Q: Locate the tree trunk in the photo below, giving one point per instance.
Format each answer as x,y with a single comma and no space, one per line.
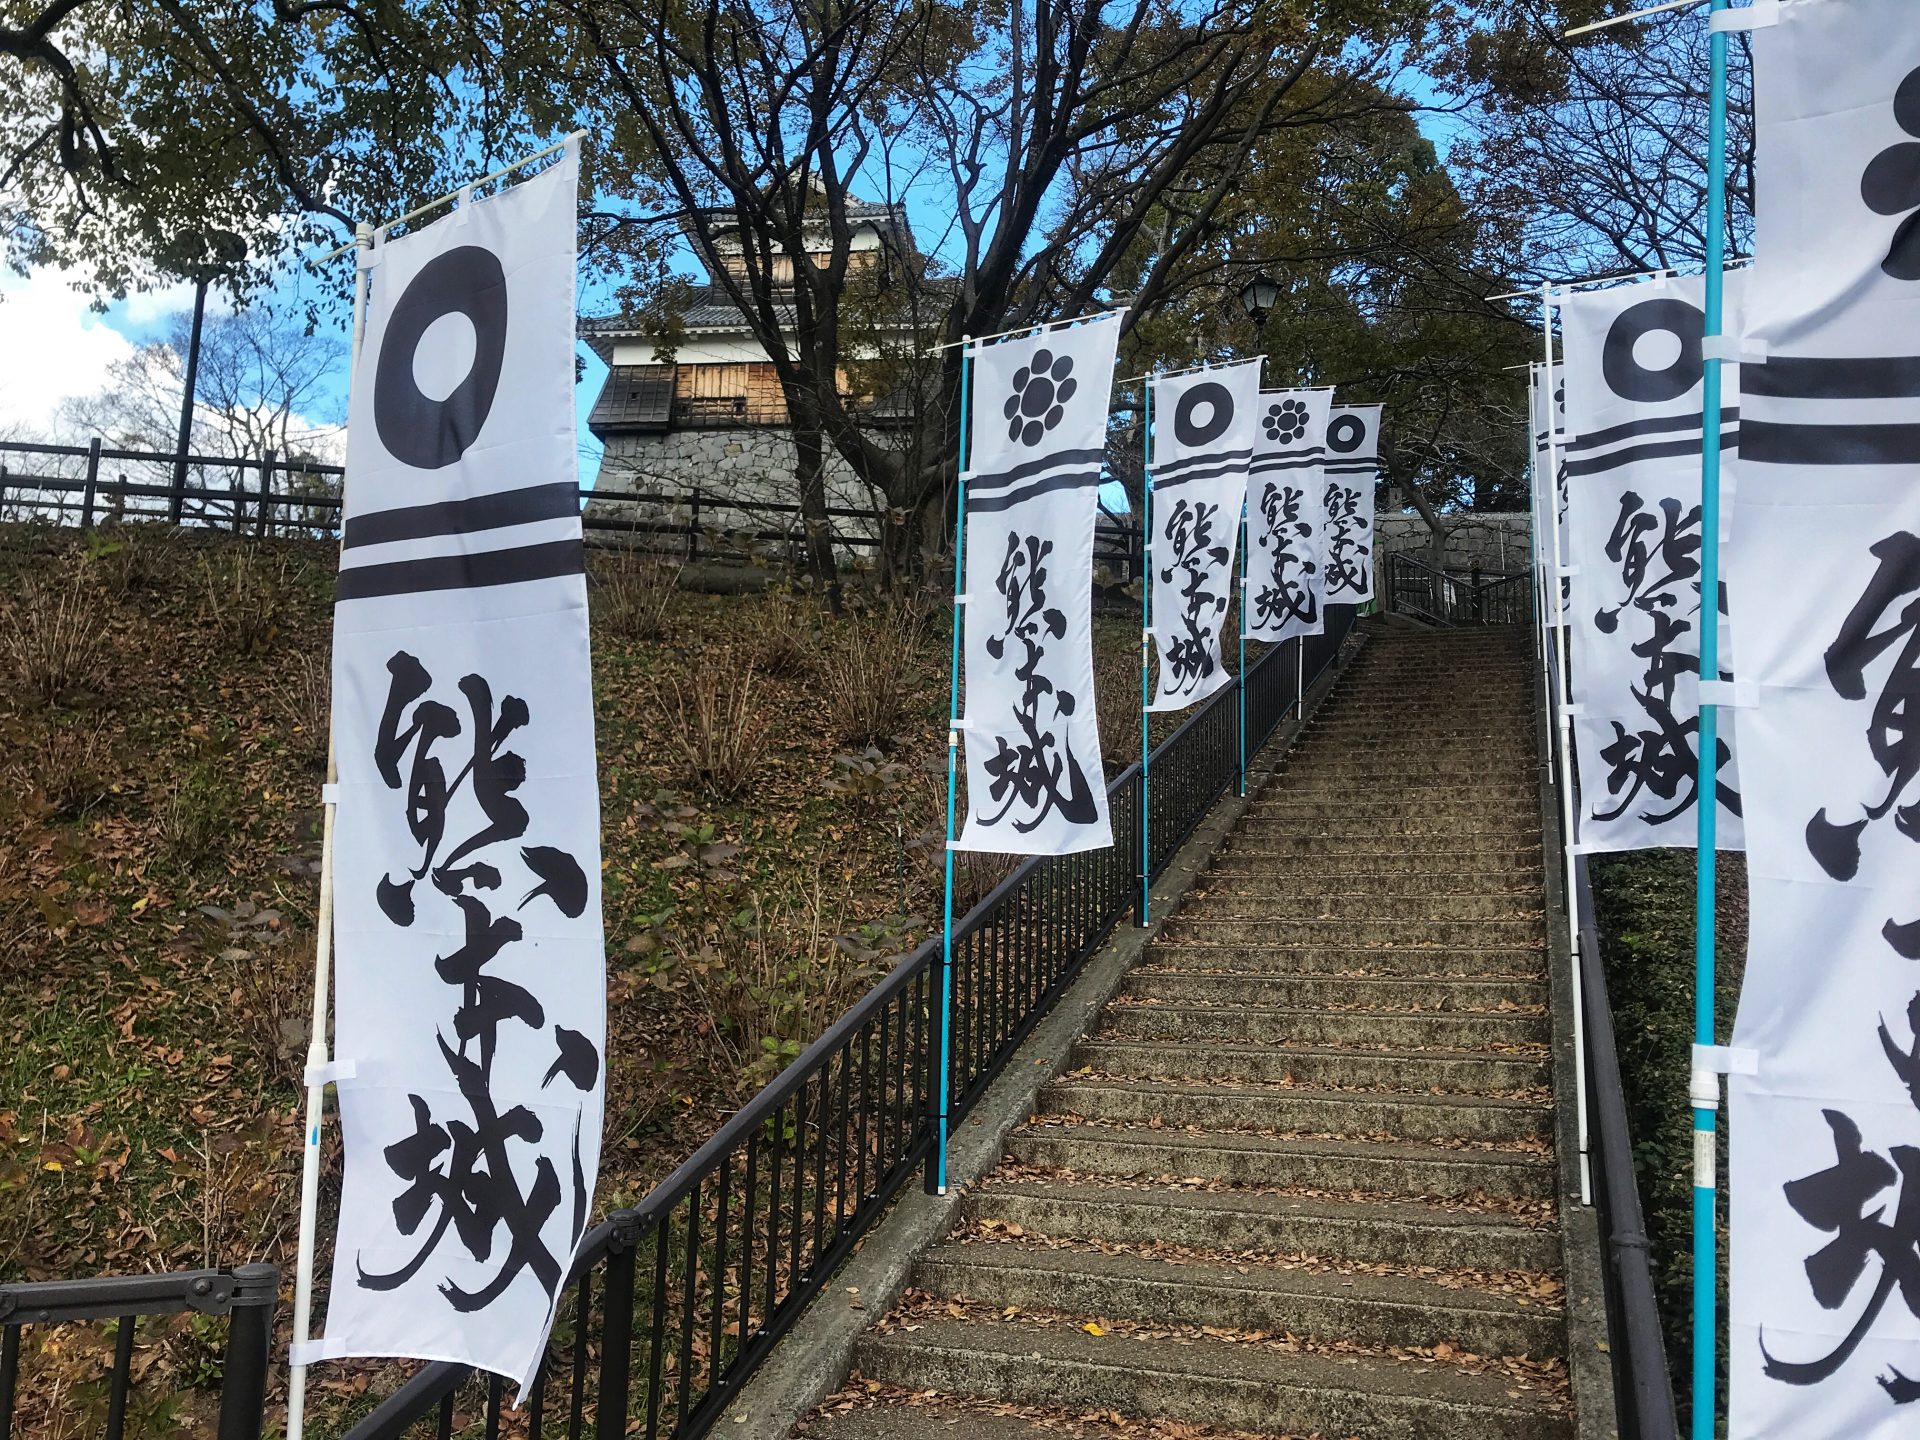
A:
809,448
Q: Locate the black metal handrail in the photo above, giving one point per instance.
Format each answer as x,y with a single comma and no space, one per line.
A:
245,1295
682,1296
1447,598
1643,1385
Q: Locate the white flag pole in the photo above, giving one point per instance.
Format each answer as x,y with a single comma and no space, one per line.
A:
953,751
1565,720
317,1052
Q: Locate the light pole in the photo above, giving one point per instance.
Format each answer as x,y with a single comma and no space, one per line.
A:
199,256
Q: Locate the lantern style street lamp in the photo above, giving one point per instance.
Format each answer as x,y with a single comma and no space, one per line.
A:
1259,296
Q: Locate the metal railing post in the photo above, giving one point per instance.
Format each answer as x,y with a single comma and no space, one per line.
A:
263,517
616,1342
93,481
243,1385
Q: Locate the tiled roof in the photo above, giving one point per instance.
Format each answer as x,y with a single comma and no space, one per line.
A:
635,397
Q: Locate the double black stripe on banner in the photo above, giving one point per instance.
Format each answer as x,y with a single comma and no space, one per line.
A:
1000,479
1230,467
1289,460
545,561
1730,440
1177,469
476,514
464,517
1007,499
1662,425
1359,467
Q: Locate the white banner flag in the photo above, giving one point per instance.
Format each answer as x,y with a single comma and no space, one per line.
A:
1825,590
1287,517
1353,465
1202,444
1038,432
1547,412
1633,384
471,1020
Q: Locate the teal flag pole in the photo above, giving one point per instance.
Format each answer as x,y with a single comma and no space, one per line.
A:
944,1058
1145,916
1242,678
1706,1085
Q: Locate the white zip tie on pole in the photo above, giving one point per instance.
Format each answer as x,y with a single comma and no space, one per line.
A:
1734,694
1732,349
1727,1059
1757,16
331,1073
330,793
1571,712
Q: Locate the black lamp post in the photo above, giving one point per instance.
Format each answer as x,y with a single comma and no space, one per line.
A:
199,256
1259,296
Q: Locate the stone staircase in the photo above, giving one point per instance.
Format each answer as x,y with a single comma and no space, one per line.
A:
1299,1179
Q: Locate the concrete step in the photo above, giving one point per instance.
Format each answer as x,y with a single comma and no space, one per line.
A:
1254,1388
1358,821
1223,1109
1451,1071
1310,990
1229,901
1261,1025
897,1416
1413,1168
1374,1309
1504,933
1461,962
1381,874
1292,843
1257,1222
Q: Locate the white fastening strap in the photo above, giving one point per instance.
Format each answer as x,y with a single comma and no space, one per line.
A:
329,794
309,1352
1570,712
1757,16
332,1072
963,723
1735,694
1727,1059
1585,847
1733,350
1567,572
961,599
966,475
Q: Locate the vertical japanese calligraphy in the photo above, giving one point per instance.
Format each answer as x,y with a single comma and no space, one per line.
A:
1633,388
1202,444
471,981
1352,468
1286,517
1824,587
1035,784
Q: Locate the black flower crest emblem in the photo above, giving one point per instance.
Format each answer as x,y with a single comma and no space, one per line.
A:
1286,422
1891,184
1041,389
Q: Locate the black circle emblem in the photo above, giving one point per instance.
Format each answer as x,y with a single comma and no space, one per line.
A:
1192,432
1891,184
1041,389
1627,377
432,434
1286,422
1346,434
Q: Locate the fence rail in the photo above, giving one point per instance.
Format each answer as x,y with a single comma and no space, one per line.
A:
1446,598
245,1295
674,1303
271,496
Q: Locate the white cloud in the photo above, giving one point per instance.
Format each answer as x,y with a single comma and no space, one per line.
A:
51,347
